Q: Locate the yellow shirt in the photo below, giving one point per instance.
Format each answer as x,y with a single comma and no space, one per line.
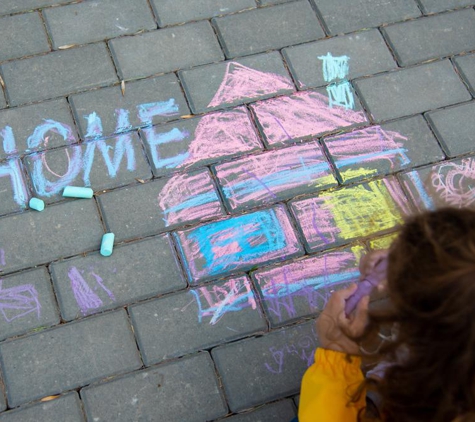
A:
327,387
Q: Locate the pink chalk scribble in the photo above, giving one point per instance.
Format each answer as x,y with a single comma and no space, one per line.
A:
267,177
241,82
222,134
302,115
303,287
189,197
368,145
454,182
18,301
215,301
86,298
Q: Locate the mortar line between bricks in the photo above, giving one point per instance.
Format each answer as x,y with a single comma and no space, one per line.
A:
221,44
320,19
116,65
217,187
132,329
460,74
220,380
259,300
178,258
255,126
33,9
287,68
420,6
390,47
49,36
76,126
55,295
183,91
152,11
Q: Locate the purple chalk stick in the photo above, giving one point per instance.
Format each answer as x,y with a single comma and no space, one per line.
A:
366,286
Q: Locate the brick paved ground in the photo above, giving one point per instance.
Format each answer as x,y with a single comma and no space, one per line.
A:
245,153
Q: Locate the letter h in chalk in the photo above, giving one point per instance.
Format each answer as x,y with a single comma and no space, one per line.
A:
335,70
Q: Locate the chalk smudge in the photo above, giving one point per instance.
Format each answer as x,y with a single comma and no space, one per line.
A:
18,301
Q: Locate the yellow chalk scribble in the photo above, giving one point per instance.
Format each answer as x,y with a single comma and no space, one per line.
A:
383,242
356,174
358,251
365,209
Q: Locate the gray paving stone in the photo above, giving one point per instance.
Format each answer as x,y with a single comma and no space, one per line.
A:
145,102
382,150
135,271
31,125
65,408
435,6
432,37
274,362
164,204
236,82
455,128
190,143
3,400
91,21
17,43
165,50
3,102
75,354
308,114
237,244
28,303
367,52
13,187
184,390
15,6
327,221
101,165
413,90
58,73
270,2
447,184
269,28
199,319
339,16
34,238
466,66
302,288
171,12
274,176
281,411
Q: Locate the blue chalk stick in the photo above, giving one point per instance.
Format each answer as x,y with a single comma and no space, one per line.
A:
107,244
36,204
76,192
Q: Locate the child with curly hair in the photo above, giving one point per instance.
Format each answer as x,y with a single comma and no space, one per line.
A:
426,355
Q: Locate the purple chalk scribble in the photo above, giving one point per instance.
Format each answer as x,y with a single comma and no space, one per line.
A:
303,348
86,298
18,301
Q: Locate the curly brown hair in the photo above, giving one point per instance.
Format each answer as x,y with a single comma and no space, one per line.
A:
431,289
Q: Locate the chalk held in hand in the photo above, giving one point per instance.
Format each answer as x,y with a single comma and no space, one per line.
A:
107,244
36,204
76,192
366,286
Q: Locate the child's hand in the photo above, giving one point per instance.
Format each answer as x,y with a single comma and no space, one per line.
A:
335,330
369,261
